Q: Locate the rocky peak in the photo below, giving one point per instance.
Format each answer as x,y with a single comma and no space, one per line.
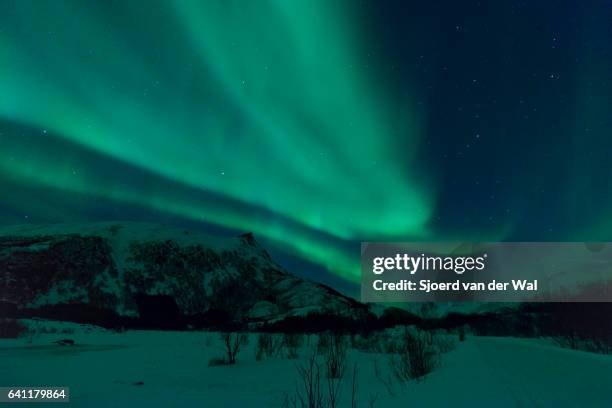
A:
148,272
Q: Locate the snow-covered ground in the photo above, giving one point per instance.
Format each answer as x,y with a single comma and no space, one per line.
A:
104,369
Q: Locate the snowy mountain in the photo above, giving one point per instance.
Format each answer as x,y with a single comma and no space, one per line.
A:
148,275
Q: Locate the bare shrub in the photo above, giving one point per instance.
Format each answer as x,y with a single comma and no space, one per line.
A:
598,346
594,345
575,342
291,344
400,367
232,343
354,387
335,357
370,343
275,345
444,343
415,358
333,392
387,381
462,334
323,341
391,345
267,346
312,391
568,340
308,392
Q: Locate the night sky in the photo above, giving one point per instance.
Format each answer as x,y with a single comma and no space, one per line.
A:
313,124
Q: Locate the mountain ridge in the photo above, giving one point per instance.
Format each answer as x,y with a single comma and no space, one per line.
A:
151,274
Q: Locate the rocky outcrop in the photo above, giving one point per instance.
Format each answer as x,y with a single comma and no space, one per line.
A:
146,275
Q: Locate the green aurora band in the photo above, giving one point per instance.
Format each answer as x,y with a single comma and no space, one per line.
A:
314,124
263,103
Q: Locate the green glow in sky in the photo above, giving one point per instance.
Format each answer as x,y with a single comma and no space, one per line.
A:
268,104
314,124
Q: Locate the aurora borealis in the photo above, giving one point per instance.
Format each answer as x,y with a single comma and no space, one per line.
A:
314,124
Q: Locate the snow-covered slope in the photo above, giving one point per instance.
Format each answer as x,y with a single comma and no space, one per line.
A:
131,269
169,369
